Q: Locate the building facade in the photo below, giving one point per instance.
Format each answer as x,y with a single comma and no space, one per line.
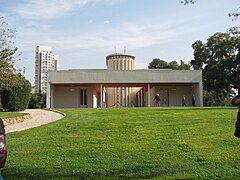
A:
120,96
120,85
45,61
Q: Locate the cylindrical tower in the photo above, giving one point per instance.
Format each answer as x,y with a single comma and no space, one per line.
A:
120,61
120,96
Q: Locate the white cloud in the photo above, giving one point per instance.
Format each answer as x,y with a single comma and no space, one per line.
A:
106,22
74,49
38,9
132,35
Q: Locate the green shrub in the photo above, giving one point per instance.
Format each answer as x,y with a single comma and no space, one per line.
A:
36,101
212,99
17,97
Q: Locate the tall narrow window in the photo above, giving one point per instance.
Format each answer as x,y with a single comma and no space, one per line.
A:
83,97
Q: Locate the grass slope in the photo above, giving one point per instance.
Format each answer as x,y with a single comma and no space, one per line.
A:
135,143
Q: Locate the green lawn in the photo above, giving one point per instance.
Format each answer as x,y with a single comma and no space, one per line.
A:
133,143
4,115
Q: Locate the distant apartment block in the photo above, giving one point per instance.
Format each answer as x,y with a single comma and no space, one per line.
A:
45,61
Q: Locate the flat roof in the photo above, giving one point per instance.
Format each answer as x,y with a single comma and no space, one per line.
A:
124,76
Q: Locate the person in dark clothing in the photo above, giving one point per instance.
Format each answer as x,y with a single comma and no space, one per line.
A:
236,102
184,101
157,100
193,100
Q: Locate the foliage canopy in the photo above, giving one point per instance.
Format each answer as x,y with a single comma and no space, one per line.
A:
7,55
161,64
219,58
16,97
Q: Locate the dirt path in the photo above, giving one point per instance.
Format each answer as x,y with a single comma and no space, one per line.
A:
39,117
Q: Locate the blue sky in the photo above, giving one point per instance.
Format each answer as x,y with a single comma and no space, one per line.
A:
84,32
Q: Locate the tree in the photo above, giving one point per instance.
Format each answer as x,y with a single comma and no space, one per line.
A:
158,64
7,55
219,58
209,99
17,97
6,68
173,65
183,66
234,14
199,55
161,64
37,101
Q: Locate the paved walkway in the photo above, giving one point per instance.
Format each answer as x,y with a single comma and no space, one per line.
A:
39,117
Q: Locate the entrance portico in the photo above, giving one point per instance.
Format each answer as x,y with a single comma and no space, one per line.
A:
89,88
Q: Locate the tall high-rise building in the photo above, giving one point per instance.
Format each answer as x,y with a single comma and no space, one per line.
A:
45,61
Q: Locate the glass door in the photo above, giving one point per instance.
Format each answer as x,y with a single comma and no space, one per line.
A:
83,98
164,97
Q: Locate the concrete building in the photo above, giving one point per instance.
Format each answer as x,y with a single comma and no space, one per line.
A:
113,87
45,61
120,96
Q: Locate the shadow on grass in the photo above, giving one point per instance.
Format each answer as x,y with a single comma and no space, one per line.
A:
205,108
129,173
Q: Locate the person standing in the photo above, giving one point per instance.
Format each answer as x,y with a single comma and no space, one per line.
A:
193,100
184,101
157,100
236,102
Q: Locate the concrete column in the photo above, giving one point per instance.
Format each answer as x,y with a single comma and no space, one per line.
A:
141,97
115,98
118,97
138,102
111,65
129,97
199,96
49,95
115,65
122,64
127,65
119,65
125,97
149,103
52,89
101,87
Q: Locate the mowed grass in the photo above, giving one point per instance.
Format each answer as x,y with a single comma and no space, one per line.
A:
4,115
128,143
